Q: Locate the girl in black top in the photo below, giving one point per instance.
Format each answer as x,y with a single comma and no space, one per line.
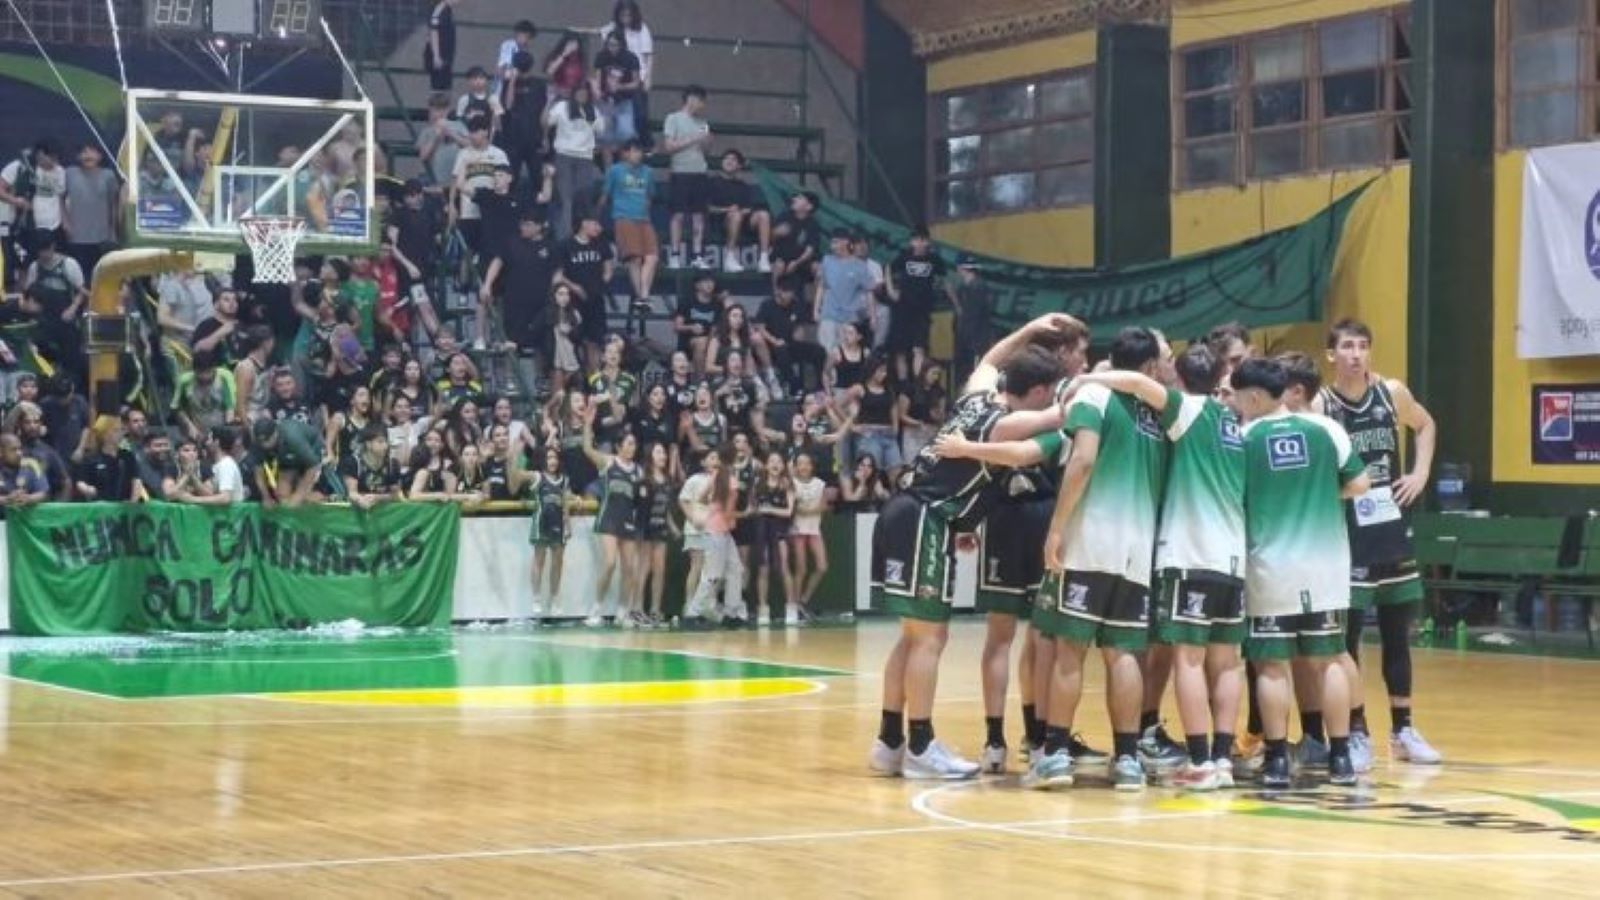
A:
345,427
414,386
847,364
921,411
703,428
565,418
504,467
877,428
731,334
654,423
472,482
616,523
461,426
865,489
745,469
681,385
658,495
433,474
774,507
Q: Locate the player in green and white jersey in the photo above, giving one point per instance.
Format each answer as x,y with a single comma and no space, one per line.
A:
1299,468
1200,557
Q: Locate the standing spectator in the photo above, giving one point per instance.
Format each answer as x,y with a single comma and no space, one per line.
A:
692,507
505,69
227,446
877,315
716,511
696,317
438,143
915,280
587,266
550,531
522,134
433,472
616,523
439,56
91,211
369,476
185,302
611,394
703,428
204,397
360,290
777,328
475,168
774,501
219,334
563,327
740,398
576,123
500,211
681,384
630,186
102,468
843,293
922,411
626,15
566,69
739,203
877,428
616,84
657,492
250,377
974,305
847,363
479,100
687,135
289,461
524,270
47,202
414,227
796,238
57,282
865,489
16,186
655,422
20,481
805,534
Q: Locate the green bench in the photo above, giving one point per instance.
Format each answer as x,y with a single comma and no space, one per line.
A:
1507,557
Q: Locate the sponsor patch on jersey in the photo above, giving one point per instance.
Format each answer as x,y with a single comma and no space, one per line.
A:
1287,451
1555,416
894,571
1231,438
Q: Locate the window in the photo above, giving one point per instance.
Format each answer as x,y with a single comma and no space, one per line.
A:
1549,71
1013,146
1327,95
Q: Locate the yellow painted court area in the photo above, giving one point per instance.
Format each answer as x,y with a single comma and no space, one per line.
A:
642,693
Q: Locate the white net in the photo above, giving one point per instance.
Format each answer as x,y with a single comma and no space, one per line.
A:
272,241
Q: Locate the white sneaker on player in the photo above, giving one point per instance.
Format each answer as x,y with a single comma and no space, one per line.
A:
886,760
593,620
730,262
994,759
1360,752
1410,746
1201,778
1224,769
937,763
1049,772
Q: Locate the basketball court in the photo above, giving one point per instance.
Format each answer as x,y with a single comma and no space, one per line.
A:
570,762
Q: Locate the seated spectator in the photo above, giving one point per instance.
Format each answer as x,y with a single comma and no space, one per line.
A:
741,398
617,82
102,467
369,475
796,237
412,385
288,463
190,482
461,426
734,334
681,384
220,333
629,187
154,467
686,136
227,445
204,398
843,292
697,316
703,428
21,483
460,382
739,203
342,434
507,476
611,394
26,421
777,329
405,430
286,403
66,415
431,472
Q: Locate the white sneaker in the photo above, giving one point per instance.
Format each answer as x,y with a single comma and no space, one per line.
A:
594,620
1200,779
994,760
937,763
791,614
675,259
479,346
764,264
1049,772
1224,773
626,620
702,262
1360,752
886,760
1410,746
731,264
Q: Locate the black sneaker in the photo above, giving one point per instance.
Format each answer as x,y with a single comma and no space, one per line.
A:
1275,773
1083,754
1341,772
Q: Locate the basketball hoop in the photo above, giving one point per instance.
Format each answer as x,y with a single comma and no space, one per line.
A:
272,241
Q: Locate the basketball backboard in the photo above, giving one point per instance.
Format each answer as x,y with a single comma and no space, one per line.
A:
200,162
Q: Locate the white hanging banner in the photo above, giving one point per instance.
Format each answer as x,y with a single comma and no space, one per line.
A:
1558,308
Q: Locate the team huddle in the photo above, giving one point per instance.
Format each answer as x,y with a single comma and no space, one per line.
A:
1205,520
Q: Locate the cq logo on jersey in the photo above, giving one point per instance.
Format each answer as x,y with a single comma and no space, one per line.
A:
1230,433
1287,451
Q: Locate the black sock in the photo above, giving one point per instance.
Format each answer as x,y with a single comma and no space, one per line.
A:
1198,746
921,735
1339,746
1056,739
1032,728
1358,719
1149,719
1221,745
1125,743
1277,749
892,729
996,726
1311,724
1400,716
1253,724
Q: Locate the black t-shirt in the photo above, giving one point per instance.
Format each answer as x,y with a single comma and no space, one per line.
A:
736,402
619,73
528,269
153,473
960,490
680,395
529,96
370,479
729,190
691,311
418,238
111,476
444,21
917,279
653,429
499,214
585,265
294,408
801,235
227,349
778,320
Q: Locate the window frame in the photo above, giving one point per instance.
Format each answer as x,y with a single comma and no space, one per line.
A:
1391,121
940,132
1587,84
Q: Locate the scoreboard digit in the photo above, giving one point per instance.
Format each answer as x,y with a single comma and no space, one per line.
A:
297,21
174,16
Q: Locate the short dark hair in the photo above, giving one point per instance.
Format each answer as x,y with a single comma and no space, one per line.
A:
1133,347
1228,331
632,144
921,231
157,434
1301,370
1266,374
227,437
526,27
205,359
1029,368
694,90
737,154
522,61
478,123
373,431
1348,328
477,72
264,430
1055,339
1199,369
440,100
48,148
254,337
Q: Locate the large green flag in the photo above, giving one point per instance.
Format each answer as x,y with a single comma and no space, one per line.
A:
1279,278
102,568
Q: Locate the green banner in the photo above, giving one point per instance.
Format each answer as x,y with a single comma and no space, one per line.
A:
1279,278
103,568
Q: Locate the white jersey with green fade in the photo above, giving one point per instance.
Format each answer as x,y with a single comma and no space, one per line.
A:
1113,528
1202,512
1299,552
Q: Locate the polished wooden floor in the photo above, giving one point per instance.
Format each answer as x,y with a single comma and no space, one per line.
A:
657,793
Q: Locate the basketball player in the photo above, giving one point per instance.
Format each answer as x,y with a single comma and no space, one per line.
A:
1298,468
1384,565
1010,568
913,543
1200,556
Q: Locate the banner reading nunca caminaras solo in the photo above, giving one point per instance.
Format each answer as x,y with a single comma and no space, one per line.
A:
1279,278
102,568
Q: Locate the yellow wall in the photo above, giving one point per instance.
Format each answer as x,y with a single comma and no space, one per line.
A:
1198,21
1514,378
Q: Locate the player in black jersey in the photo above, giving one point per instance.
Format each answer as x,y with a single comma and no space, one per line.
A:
913,541
616,523
658,493
1383,561
549,529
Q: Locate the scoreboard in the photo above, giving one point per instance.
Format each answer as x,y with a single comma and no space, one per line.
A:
286,21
